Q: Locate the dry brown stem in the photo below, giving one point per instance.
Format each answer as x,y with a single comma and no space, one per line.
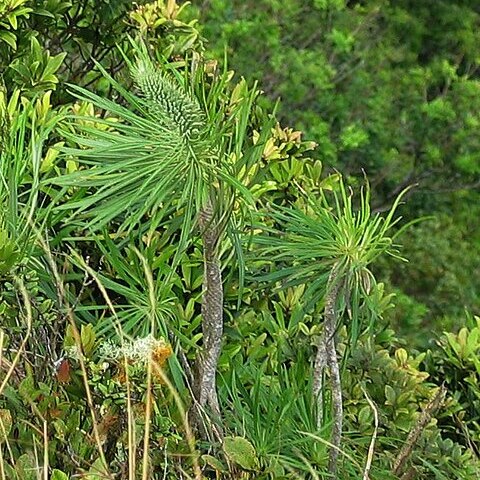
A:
417,430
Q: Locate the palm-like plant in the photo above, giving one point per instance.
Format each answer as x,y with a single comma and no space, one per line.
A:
174,151
329,247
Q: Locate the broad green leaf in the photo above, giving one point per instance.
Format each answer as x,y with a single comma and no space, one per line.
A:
26,467
98,471
401,356
365,416
9,38
58,475
87,335
390,395
214,463
241,452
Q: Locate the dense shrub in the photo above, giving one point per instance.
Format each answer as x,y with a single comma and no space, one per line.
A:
134,165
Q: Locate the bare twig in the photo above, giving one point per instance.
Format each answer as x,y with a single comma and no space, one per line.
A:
418,429
28,317
45,451
160,373
371,448
146,468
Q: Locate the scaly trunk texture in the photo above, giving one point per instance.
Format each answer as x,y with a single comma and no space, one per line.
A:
327,356
212,313
318,371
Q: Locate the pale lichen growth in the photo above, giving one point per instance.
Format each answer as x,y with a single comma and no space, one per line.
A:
74,352
139,350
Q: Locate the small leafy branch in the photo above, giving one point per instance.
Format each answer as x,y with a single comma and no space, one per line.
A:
11,11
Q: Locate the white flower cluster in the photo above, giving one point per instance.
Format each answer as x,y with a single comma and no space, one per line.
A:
140,349
74,353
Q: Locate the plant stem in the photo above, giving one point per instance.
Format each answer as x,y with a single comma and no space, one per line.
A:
428,412
327,356
212,312
318,369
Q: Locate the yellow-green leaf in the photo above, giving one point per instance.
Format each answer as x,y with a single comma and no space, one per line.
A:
241,452
5,424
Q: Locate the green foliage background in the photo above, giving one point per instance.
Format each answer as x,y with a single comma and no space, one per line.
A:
377,89
390,90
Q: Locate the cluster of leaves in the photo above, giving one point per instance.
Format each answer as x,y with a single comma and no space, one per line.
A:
39,38
455,363
66,400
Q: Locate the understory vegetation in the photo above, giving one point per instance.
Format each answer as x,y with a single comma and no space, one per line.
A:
199,280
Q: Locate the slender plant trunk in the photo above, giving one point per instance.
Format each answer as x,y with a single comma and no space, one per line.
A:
327,356
212,314
318,373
